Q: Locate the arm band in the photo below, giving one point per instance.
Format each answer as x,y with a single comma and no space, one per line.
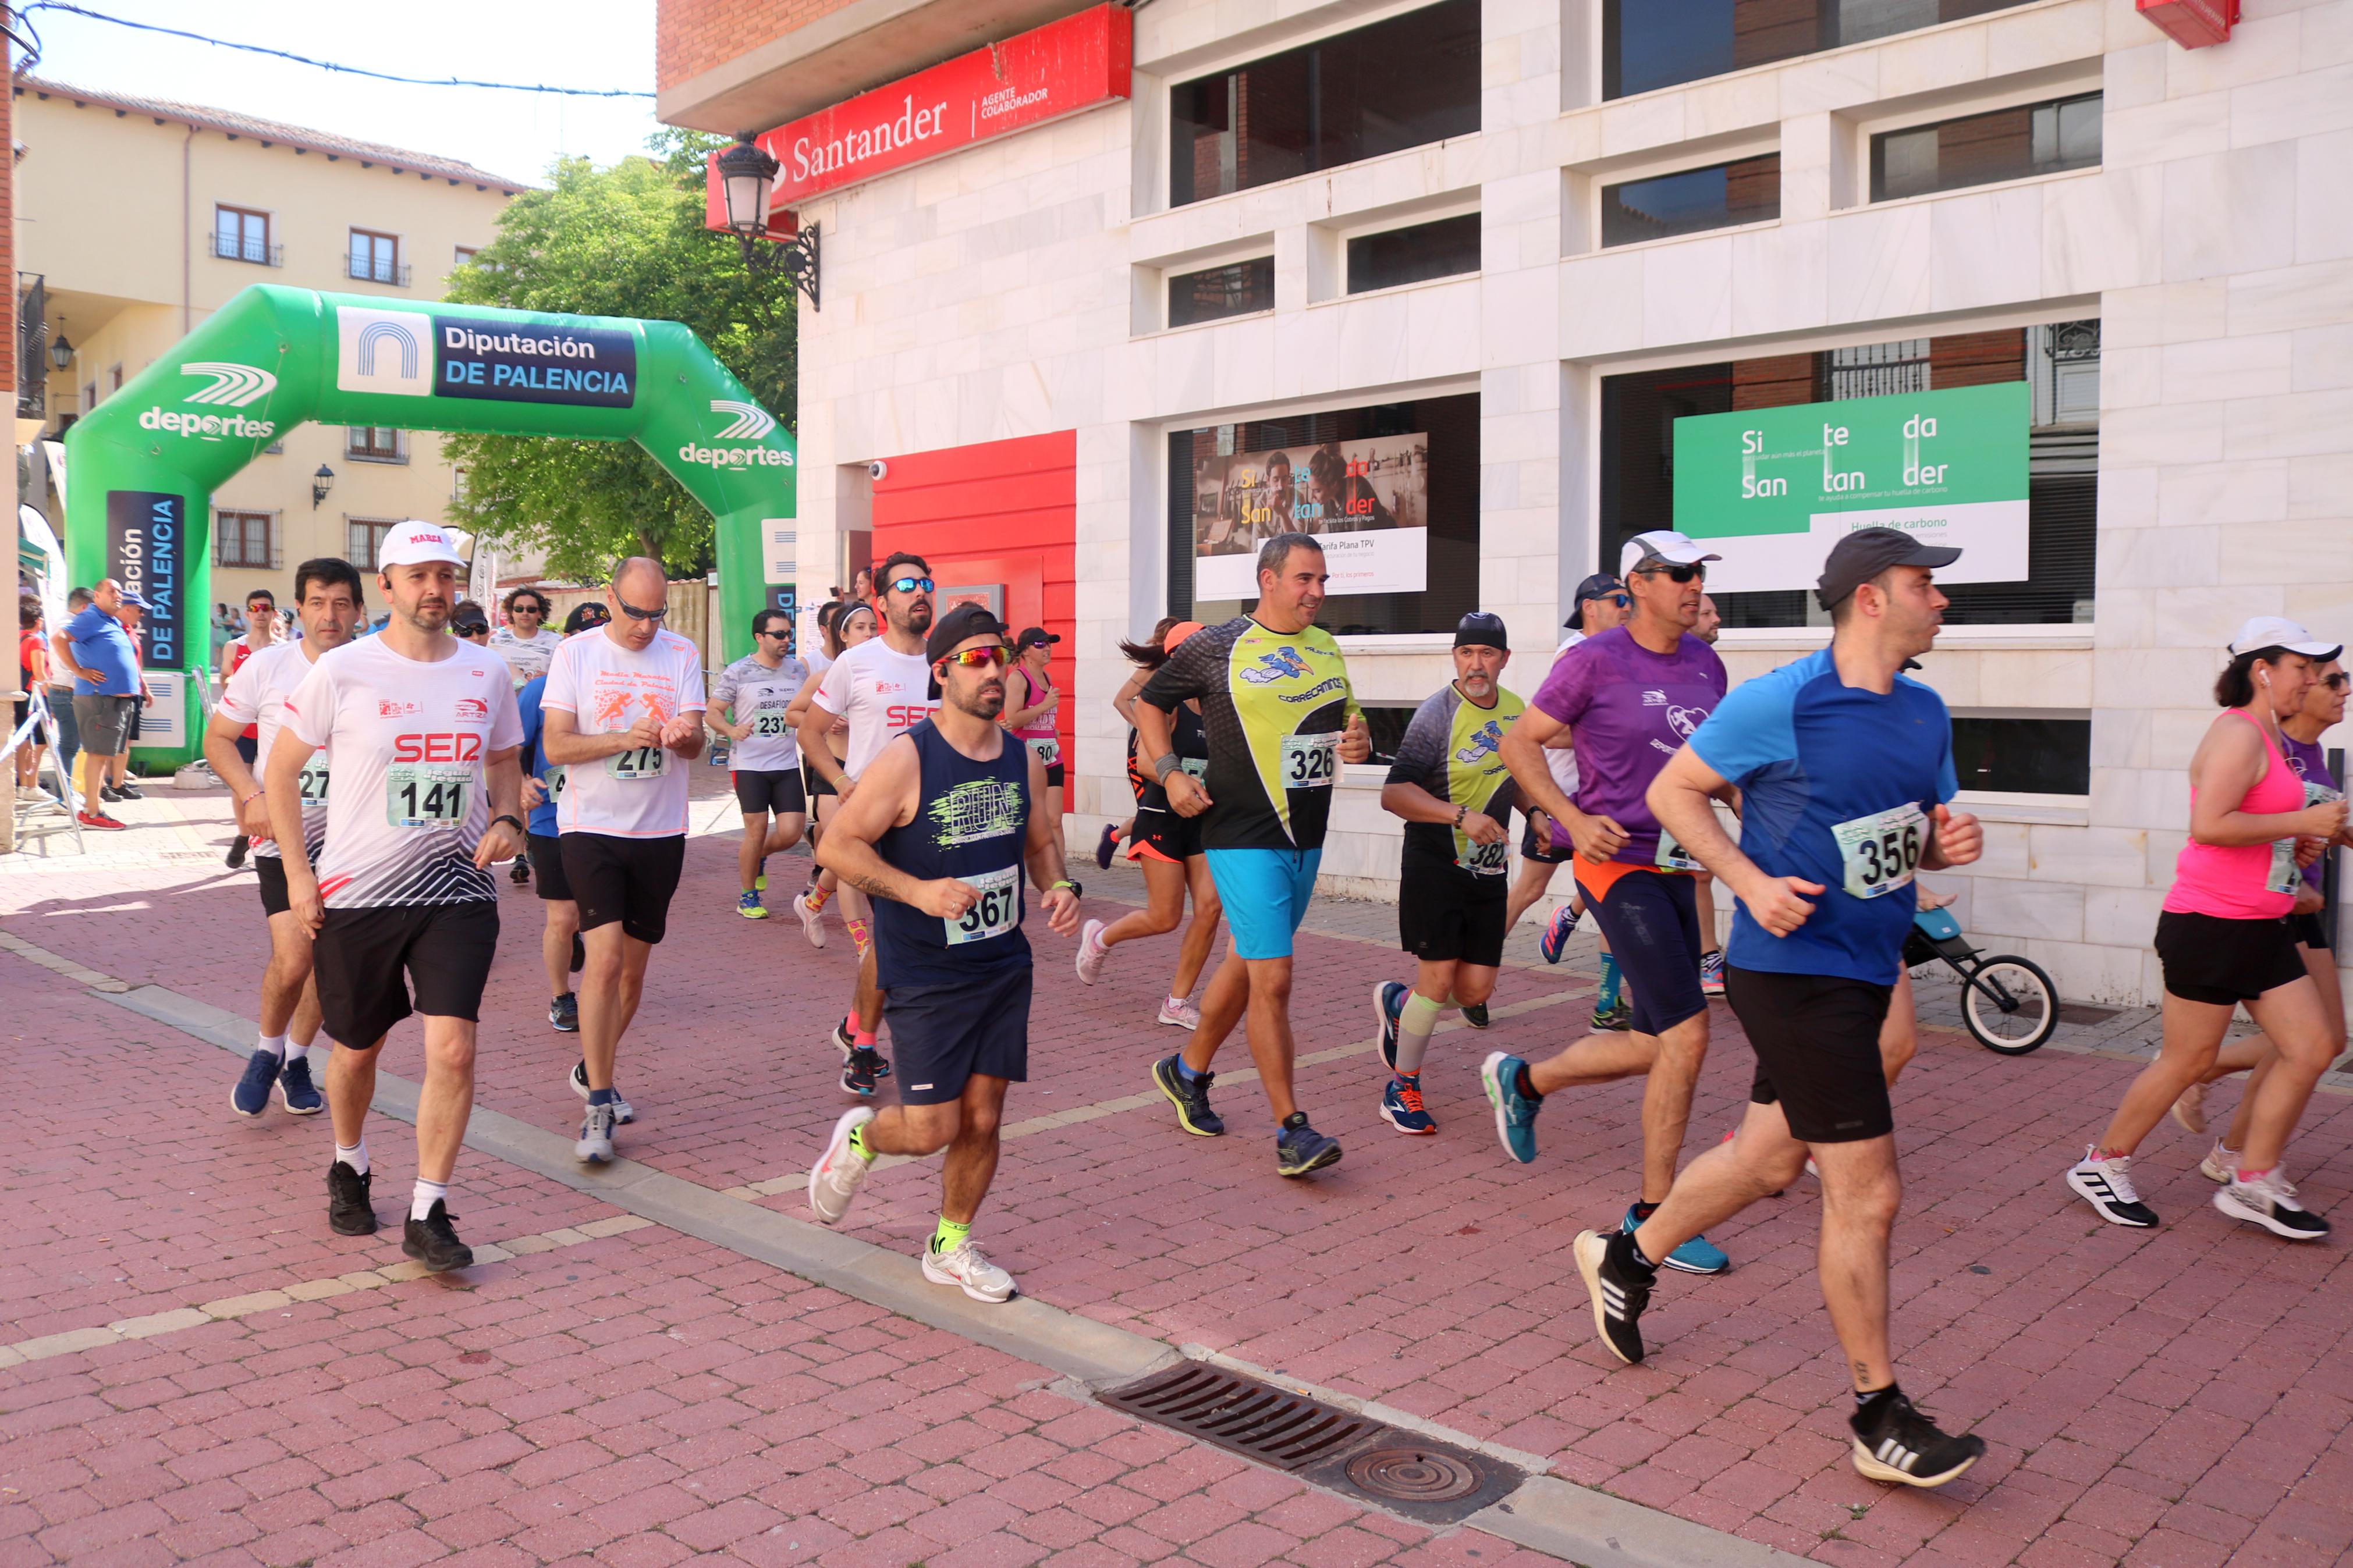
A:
1164,765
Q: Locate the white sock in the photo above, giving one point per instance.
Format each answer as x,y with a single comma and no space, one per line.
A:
356,1157
274,1043
427,1194
295,1053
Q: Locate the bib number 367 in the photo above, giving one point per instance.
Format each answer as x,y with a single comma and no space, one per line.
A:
994,914
1881,853
1309,762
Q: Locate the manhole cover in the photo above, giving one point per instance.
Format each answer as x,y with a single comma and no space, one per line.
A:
1412,1475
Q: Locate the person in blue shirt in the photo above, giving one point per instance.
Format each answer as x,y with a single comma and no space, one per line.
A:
1844,769
105,666
559,944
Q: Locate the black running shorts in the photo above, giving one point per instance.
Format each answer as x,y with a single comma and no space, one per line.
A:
2311,931
1562,849
2207,957
1652,927
548,868
940,1036
1817,1042
1164,836
271,871
759,791
625,879
814,784
1446,915
361,956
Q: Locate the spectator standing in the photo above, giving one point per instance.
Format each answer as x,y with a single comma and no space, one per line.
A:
96,650
61,689
526,642
32,674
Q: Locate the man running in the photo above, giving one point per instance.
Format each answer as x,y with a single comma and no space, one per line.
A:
422,729
882,687
1631,697
1280,719
1449,784
261,632
1711,957
943,819
560,951
327,599
748,708
1845,766
622,714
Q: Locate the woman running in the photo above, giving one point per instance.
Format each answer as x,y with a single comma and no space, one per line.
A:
850,624
1030,713
1122,702
2225,937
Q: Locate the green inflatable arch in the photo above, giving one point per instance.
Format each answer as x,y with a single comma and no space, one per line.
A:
141,466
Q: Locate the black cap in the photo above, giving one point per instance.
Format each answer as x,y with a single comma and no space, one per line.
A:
960,625
1480,629
583,616
1034,637
1593,587
1866,552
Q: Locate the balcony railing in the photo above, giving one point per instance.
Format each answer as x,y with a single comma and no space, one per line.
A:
376,272
231,247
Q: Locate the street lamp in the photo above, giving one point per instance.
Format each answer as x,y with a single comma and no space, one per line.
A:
746,176
321,483
62,352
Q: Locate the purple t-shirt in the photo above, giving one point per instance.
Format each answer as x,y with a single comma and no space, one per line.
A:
2310,763
1629,709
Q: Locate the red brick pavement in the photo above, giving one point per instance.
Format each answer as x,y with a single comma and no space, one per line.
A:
2179,1397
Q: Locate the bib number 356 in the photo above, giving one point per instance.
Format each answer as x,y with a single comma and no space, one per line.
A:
1881,853
994,914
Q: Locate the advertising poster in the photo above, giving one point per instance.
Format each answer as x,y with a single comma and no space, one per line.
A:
1367,500
1773,489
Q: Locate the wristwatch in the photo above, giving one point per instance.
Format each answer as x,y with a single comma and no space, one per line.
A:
504,817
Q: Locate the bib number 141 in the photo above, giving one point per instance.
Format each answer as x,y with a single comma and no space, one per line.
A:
428,794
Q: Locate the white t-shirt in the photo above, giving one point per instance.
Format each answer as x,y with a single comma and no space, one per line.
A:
882,693
257,694
758,697
408,737
641,793
528,658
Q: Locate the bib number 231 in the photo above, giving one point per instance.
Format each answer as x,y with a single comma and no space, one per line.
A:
994,914
1309,762
1881,853
428,794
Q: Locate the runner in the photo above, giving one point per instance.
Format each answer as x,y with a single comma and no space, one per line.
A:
526,642
1845,766
1449,784
1122,702
753,694
561,949
261,632
327,598
839,626
881,687
423,733
1168,848
1280,719
620,704
1711,958
938,829
1631,697
2225,937
1031,718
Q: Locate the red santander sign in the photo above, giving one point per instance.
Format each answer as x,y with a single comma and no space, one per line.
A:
1060,68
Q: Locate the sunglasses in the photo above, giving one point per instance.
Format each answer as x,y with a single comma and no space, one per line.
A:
1619,600
527,610
1678,572
636,614
471,628
2335,682
977,658
780,637
911,586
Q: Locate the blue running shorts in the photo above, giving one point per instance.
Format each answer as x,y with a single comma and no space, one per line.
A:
1265,893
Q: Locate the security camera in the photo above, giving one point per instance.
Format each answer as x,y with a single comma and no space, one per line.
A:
877,468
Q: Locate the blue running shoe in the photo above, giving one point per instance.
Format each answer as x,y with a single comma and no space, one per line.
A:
1697,1255
294,1087
749,906
1403,1109
1388,1001
1515,1113
251,1095
1557,933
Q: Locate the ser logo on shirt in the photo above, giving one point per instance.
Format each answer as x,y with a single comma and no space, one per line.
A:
442,748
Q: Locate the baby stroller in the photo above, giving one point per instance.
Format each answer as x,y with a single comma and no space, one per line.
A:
2008,1003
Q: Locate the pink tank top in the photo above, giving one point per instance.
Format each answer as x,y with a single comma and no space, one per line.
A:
2229,881
1041,728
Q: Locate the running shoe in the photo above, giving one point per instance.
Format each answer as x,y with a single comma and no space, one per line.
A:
1403,1109
295,1089
236,856
596,1145
2270,1201
1300,1150
964,1266
1619,1296
1475,1014
433,1243
1902,1445
623,1111
1515,1113
749,906
861,1070
109,793
1191,1099
349,1212
251,1095
1091,953
1617,1019
129,790
1711,973
2106,1185
834,1180
1697,1255
1106,846
1388,1002
98,819
2190,1110
760,882
2220,1163
564,1014
520,873
1556,933
848,1047
1180,1011
812,920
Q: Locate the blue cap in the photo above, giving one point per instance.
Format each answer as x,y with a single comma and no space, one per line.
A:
1594,587
130,597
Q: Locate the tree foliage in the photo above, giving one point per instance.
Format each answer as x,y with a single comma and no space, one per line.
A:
626,240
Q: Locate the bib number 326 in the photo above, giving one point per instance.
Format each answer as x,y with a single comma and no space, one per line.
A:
428,794
1309,762
994,914
1881,853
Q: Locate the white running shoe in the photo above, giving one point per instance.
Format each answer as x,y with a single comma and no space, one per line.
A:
2270,1201
835,1179
2191,1109
812,920
965,1267
623,1111
2106,1185
596,1145
1180,1011
2220,1165
1091,953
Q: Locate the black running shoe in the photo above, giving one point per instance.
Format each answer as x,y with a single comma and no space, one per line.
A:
433,1243
564,1014
1618,1294
860,1069
349,1212
109,793
844,1042
236,856
1300,1150
1105,844
1900,1444
1191,1099
520,874
1476,1014
129,790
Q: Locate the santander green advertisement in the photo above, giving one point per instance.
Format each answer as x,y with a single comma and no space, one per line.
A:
1773,489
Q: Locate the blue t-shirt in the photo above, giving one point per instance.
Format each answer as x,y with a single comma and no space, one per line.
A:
543,816
1809,753
99,643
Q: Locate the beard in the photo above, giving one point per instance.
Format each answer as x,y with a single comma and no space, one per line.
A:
919,617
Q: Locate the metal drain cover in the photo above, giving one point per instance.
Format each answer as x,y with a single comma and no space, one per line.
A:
1412,1475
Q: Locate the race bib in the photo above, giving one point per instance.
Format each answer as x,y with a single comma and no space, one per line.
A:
637,763
1673,857
1048,750
312,788
1483,859
994,914
2285,873
1196,767
1881,852
428,794
1309,762
559,778
768,721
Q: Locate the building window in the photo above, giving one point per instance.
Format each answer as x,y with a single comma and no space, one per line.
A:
376,444
245,539
1651,44
1399,482
1692,200
2017,754
1398,83
1236,288
467,253
115,380
1880,370
1980,148
240,234
1415,255
363,538
376,258
89,395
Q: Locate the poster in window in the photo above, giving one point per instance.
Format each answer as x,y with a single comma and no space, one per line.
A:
1366,500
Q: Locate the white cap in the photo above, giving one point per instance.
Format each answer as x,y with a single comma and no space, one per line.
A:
2278,631
1659,544
412,544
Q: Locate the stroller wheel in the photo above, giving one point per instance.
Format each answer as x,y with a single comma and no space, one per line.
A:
2009,1005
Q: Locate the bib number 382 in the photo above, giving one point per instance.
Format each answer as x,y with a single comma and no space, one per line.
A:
1309,762
428,794
1483,859
994,914
1881,853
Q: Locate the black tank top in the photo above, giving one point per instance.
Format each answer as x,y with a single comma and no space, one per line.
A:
971,823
